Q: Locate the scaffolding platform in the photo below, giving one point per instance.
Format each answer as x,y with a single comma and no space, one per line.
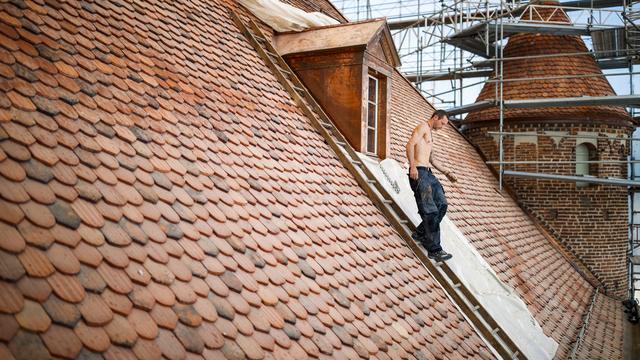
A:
479,105
445,19
609,63
474,38
450,75
595,4
620,100
409,21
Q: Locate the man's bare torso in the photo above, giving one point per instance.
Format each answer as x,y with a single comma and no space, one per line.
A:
423,148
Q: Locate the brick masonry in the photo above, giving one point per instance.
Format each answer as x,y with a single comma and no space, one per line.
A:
590,221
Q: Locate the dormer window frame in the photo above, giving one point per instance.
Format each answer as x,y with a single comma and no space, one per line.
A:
374,69
376,119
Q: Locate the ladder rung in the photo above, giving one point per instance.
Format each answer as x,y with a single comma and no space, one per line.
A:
403,221
371,181
326,125
284,70
457,286
271,54
300,90
387,201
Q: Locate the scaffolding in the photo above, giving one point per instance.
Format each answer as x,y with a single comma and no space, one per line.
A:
460,43
442,43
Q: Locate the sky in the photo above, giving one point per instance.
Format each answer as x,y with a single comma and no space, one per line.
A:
433,55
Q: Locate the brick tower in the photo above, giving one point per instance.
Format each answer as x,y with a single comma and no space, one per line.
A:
589,219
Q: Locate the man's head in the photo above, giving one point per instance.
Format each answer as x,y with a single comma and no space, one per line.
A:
438,119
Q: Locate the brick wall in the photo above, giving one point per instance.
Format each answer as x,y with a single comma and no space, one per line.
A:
590,221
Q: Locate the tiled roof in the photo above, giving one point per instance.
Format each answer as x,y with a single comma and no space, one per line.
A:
162,195
555,293
529,44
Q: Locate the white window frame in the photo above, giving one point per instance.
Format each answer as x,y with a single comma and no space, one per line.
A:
375,104
583,169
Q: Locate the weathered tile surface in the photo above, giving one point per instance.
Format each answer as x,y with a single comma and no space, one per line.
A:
163,196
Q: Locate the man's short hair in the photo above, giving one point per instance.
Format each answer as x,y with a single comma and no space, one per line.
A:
439,113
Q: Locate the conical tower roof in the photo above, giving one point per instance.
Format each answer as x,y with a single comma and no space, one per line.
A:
530,44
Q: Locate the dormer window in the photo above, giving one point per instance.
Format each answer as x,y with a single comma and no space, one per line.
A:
372,116
348,69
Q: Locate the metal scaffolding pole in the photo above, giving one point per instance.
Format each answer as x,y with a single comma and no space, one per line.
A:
562,162
500,49
633,262
567,136
574,178
624,100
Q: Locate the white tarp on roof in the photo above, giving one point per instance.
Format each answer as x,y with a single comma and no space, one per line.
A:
498,298
284,17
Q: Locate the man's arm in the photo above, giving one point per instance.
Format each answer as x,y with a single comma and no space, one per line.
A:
438,165
418,132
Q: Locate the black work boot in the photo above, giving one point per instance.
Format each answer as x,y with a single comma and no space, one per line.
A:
440,256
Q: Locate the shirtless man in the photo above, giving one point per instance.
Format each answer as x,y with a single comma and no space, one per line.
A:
429,194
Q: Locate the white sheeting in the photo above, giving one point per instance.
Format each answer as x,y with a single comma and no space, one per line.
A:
284,17
499,299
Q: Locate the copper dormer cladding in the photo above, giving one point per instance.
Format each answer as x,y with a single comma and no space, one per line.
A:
536,44
348,69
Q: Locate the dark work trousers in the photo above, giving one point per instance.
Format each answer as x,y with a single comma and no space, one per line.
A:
432,205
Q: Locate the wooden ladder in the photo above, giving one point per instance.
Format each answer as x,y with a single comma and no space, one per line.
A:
443,274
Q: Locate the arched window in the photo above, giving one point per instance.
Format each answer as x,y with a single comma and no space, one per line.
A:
585,152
